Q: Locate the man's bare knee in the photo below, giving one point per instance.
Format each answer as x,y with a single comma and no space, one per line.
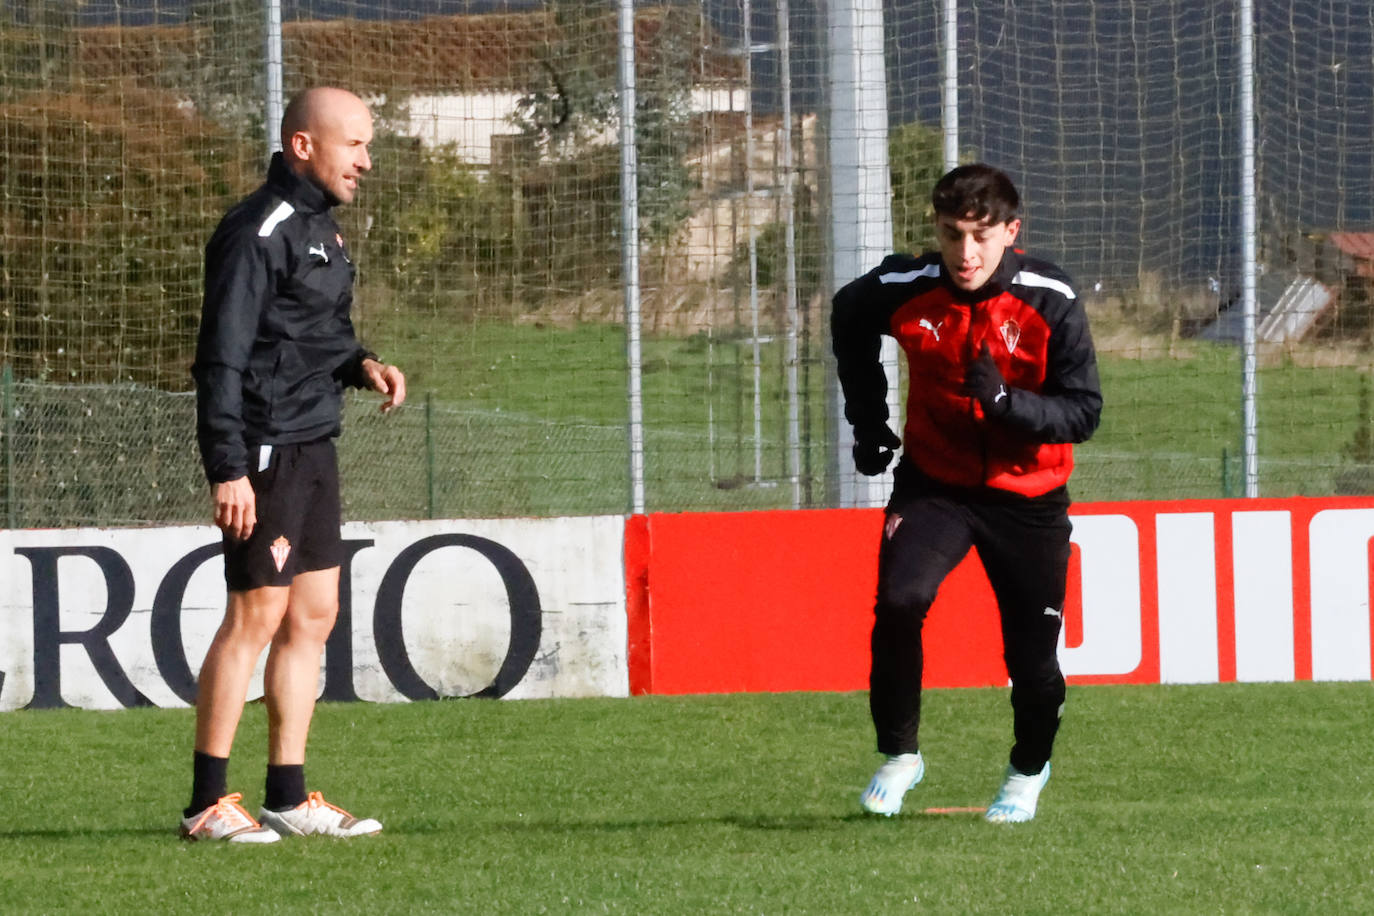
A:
312,609
253,616
311,627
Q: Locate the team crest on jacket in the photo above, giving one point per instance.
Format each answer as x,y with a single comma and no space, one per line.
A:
342,250
281,549
1011,333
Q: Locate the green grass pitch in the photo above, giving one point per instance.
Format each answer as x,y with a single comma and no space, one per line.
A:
1216,799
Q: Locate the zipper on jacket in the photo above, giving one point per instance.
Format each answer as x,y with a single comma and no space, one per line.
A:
973,349
273,385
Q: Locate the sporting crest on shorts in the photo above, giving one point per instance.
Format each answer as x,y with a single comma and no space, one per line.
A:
281,549
1011,334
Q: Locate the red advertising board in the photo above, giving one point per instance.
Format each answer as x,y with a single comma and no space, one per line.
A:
1183,592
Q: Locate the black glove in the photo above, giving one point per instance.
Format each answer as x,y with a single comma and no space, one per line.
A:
873,448
984,381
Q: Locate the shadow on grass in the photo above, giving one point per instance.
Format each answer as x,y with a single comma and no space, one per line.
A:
75,833
758,822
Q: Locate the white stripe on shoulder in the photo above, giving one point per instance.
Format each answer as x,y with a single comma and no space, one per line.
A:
1027,278
930,270
268,225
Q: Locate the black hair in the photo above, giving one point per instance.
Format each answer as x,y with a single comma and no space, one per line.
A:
978,192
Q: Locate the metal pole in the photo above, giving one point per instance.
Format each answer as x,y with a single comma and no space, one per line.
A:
789,224
7,425
710,409
949,109
860,212
1249,267
272,121
756,351
429,452
629,249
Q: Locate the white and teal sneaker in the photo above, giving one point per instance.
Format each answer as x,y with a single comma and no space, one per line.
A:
1015,803
892,781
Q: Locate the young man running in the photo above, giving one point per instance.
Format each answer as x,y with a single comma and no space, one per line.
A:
275,351
1003,378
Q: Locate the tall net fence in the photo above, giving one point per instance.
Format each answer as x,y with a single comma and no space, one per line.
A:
1120,122
488,238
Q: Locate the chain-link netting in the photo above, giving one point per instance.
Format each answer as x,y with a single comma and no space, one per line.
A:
488,238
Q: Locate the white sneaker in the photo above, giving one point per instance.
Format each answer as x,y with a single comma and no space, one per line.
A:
226,820
1015,803
892,781
317,816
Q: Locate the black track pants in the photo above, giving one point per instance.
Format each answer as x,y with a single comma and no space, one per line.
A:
1024,547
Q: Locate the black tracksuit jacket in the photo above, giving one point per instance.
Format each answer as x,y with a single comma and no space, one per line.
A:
276,342
1037,332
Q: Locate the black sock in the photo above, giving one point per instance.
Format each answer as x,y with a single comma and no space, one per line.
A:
285,786
209,781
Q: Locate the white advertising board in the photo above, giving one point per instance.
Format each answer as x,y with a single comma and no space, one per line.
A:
516,608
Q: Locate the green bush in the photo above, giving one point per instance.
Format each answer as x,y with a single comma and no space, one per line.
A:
916,159
427,223
106,201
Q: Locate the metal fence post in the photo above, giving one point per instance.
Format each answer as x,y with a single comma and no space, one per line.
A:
7,433
629,247
429,451
1249,232
860,215
272,67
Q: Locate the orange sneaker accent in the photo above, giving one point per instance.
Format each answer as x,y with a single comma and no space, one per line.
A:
316,800
226,819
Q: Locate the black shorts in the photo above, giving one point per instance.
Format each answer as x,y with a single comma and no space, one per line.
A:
297,492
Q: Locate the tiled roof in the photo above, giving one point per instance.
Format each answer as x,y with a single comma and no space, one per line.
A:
478,53
1356,244
147,55
462,53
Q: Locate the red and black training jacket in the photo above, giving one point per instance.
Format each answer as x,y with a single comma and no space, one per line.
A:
1037,332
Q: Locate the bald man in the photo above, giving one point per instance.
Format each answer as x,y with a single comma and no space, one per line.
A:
276,349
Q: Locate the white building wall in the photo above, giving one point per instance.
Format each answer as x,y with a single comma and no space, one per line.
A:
470,121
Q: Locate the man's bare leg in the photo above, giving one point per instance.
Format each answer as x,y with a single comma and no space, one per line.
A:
292,684
292,679
250,622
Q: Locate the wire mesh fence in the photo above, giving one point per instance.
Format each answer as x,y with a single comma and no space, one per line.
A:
488,238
